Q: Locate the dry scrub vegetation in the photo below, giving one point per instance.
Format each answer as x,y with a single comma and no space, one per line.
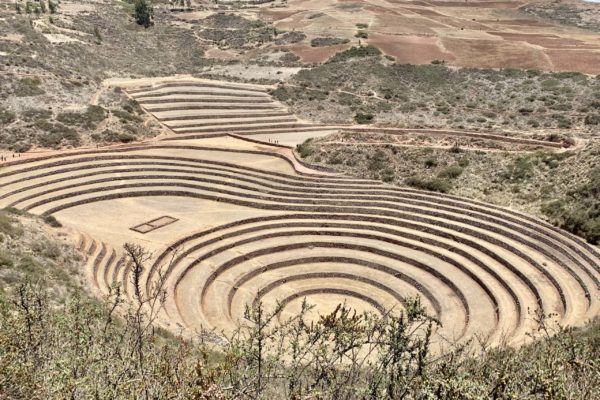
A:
57,343
360,85
53,65
584,15
561,187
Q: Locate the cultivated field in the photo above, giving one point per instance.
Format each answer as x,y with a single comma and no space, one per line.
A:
493,34
233,219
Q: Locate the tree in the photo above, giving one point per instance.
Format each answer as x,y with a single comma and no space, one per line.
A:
52,6
143,13
97,35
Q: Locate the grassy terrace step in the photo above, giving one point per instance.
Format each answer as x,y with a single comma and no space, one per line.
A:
174,99
113,273
124,149
193,90
429,276
262,240
97,262
422,234
471,208
441,132
315,275
151,191
209,106
299,193
104,270
251,131
220,118
299,200
176,84
215,124
476,265
239,128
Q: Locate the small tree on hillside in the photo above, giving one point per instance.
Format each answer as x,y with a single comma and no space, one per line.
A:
143,13
52,6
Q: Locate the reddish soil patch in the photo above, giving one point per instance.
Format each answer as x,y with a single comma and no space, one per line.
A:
476,4
317,54
410,49
276,15
424,11
517,22
585,61
481,53
478,33
548,41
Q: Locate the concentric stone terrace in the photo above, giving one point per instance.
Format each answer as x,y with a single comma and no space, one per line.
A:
254,225
200,108
197,108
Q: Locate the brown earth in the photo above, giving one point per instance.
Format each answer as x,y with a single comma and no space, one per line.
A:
494,34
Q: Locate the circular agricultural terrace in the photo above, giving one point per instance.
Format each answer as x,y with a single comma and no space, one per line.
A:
232,222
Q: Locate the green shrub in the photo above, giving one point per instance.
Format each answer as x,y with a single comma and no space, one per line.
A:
430,162
387,175
88,119
305,149
362,35
5,260
434,185
6,116
464,162
143,13
521,169
562,121
356,52
52,221
455,149
363,118
335,159
132,106
451,172
36,115
47,248
28,86
592,119
9,226
57,135
126,116
377,161
328,41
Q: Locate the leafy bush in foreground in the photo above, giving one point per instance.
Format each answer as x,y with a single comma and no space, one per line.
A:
80,350
69,346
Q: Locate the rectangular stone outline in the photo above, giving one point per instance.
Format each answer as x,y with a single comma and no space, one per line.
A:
154,224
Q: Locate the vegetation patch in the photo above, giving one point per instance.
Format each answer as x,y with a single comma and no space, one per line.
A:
88,119
28,86
6,116
579,211
434,184
304,149
328,41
